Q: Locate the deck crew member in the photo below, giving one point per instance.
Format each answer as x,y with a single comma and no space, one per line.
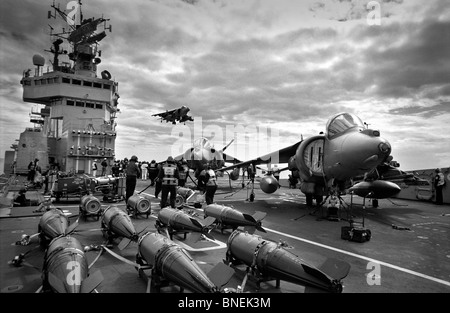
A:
439,182
201,179
153,172
132,172
21,199
183,171
94,168
168,175
144,169
211,185
104,166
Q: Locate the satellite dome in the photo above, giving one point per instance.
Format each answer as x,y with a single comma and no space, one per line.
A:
38,60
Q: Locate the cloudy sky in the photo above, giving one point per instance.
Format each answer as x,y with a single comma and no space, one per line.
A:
276,69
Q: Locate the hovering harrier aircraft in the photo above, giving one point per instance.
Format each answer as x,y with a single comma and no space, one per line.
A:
175,115
347,149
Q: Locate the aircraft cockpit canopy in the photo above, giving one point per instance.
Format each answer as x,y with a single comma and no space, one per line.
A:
341,122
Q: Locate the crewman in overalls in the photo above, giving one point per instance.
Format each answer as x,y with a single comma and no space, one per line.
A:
168,175
153,171
211,185
183,171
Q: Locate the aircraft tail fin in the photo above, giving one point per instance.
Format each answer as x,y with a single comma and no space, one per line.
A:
335,268
220,274
224,148
56,283
91,282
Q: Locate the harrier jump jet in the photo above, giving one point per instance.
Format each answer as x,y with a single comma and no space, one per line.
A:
347,149
176,115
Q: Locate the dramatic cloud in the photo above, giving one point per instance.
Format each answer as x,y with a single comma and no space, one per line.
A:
283,65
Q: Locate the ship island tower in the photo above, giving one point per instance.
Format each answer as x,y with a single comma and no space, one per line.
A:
75,123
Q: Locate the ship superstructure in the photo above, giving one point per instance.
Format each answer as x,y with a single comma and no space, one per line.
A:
75,122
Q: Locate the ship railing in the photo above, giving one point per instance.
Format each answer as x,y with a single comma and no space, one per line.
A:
87,126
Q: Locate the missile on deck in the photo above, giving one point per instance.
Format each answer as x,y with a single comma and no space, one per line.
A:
90,205
269,184
116,223
377,189
170,262
66,269
52,224
268,260
228,217
138,205
175,220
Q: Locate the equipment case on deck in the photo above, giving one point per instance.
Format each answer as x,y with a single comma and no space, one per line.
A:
357,234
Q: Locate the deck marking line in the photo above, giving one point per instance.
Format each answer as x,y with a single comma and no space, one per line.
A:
441,281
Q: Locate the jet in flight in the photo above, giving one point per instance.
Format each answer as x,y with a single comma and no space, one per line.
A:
176,115
347,149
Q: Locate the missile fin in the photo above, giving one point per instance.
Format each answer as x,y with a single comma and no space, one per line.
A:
196,222
56,283
207,234
316,273
124,243
335,268
258,227
220,274
71,228
195,236
258,216
249,218
91,282
209,221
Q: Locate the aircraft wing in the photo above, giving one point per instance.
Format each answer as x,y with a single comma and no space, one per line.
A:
164,114
280,156
229,159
